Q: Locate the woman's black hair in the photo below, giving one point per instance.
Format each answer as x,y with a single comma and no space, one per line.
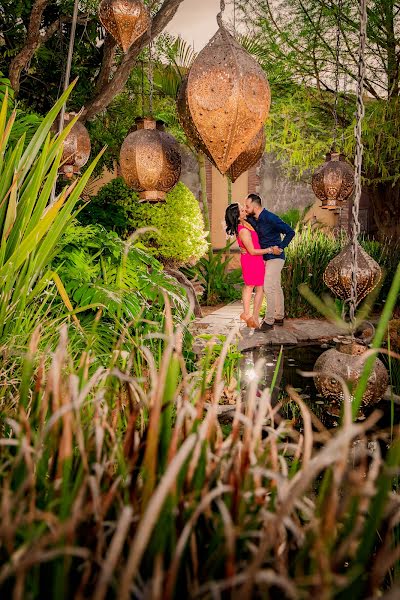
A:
232,214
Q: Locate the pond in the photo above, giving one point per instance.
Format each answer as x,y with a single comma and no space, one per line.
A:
295,359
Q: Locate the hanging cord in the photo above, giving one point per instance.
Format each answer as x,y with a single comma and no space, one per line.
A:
69,62
66,83
150,66
337,57
344,108
142,83
219,15
360,111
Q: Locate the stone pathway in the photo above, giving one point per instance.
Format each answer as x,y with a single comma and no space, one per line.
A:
295,331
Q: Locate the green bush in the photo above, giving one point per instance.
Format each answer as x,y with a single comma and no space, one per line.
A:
307,257
181,238
221,284
112,207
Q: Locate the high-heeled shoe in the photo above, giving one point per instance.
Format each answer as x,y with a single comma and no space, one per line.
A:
252,323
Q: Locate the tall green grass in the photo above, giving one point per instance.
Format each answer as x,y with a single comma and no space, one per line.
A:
308,255
31,226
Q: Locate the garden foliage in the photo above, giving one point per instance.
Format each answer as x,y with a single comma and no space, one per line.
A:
125,471
308,255
178,236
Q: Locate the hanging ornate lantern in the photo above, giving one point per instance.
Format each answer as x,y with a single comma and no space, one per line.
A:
126,20
337,275
347,361
150,160
186,120
228,99
249,157
333,182
76,148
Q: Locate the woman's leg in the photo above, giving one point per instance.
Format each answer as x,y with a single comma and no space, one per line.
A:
246,298
258,298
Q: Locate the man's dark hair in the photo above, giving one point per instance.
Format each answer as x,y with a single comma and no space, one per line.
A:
255,198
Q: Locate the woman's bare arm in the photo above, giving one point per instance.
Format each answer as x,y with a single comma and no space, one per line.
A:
246,238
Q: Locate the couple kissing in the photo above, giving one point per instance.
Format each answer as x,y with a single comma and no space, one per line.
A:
262,237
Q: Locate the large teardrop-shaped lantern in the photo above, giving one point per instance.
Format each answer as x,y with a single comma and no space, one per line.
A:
76,148
126,20
228,98
150,160
333,182
249,157
338,278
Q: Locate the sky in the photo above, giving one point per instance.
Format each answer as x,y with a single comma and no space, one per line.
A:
196,22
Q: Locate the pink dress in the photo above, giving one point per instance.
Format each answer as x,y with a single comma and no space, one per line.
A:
253,267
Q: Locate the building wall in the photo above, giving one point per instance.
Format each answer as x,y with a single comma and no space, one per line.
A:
281,193
219,191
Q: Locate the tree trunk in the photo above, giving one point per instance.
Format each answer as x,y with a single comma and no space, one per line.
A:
203,185
385,200
33,40
117,83
188,286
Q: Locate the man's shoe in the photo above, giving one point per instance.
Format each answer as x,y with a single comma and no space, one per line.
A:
264,327
279,322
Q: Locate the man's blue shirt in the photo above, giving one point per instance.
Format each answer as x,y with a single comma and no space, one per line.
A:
269,228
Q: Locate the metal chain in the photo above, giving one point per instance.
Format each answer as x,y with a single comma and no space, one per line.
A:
360,111
219,15
337,57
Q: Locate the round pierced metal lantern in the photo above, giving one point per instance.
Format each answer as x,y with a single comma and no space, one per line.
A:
347,361
228,99
249,157
150,160
126,20
338,273
333,182
76,148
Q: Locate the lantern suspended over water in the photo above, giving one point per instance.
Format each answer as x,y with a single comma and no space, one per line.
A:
126,20
76,148
333,182
226,100
150,160
338,273
347,361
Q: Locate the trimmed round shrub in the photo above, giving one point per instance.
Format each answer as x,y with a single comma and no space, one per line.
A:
180,237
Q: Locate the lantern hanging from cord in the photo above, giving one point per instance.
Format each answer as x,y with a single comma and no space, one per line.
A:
76,148
351,276
228,98
338,273
249,157
125,20
333,182
150,160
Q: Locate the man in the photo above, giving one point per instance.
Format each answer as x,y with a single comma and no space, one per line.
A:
270,228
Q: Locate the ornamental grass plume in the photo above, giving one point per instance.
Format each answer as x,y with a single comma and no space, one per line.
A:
114,484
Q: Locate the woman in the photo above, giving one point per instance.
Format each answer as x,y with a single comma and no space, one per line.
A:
253,266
